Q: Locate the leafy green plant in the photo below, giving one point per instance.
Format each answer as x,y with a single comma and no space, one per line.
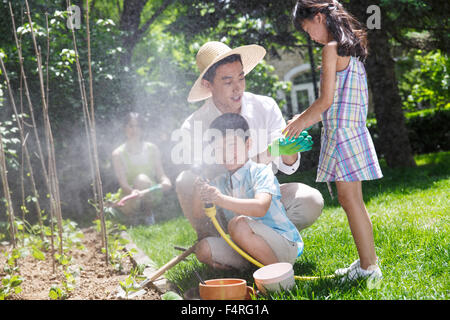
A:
116,244
424,82
67,286
72,235
56,293
117,253
11,282
35,246
37,253
170,295
63,259
130,284
9,133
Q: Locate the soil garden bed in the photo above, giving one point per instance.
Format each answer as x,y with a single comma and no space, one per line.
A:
93,280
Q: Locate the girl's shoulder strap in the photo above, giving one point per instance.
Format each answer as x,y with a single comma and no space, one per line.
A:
124,154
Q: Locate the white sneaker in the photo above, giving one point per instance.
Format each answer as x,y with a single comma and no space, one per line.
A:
343,271
354,272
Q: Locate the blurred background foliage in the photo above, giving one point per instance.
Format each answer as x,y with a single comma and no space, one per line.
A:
143,59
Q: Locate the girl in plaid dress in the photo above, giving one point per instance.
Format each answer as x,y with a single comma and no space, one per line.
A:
347,153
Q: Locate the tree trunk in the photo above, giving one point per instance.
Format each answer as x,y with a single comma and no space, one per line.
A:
395,145
129,22
382,81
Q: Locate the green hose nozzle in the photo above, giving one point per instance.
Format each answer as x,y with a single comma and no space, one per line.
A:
283,146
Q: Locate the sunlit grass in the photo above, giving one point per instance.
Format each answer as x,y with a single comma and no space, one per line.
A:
409,209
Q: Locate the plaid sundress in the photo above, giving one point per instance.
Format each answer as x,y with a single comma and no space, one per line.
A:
347,152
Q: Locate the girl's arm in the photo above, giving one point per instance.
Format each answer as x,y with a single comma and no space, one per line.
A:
312,115
256,207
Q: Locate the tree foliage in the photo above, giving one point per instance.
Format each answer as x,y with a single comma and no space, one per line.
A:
424,83
143,59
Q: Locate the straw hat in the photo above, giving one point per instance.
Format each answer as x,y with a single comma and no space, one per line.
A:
214,51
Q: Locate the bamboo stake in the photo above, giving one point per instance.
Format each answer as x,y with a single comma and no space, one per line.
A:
24,146
9,207
86,115
27,95
54,194
34,126
94,138
89,116
48,94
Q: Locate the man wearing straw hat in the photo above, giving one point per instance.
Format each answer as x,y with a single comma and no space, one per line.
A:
221,84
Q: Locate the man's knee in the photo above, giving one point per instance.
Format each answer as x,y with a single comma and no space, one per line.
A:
303,204
185,182
203,252
313,205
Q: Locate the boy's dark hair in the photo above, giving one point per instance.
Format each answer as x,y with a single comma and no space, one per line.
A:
211,73
231,121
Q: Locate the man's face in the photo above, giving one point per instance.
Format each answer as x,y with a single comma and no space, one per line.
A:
228,87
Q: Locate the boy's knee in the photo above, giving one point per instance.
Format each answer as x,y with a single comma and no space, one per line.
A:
238,227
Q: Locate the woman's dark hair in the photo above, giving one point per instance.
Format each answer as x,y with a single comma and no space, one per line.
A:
133,115
348,32
211,73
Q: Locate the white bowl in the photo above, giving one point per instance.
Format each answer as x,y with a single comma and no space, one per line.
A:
275,277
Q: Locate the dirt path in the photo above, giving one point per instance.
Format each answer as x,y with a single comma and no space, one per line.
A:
95,281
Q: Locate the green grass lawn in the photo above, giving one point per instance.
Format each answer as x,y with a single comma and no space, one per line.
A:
409,209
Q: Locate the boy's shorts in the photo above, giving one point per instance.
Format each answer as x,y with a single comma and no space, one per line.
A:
223,253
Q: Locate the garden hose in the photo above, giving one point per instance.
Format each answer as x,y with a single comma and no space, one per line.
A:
210,211
136,195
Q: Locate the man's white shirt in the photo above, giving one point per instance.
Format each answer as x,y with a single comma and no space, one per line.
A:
265,121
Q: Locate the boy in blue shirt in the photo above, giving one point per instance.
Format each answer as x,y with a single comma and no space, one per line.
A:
249,195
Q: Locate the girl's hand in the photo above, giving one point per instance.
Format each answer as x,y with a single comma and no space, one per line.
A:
293,118
294,128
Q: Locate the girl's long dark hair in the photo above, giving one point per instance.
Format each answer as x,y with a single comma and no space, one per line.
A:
349,33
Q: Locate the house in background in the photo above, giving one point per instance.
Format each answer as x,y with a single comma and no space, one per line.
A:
292,68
